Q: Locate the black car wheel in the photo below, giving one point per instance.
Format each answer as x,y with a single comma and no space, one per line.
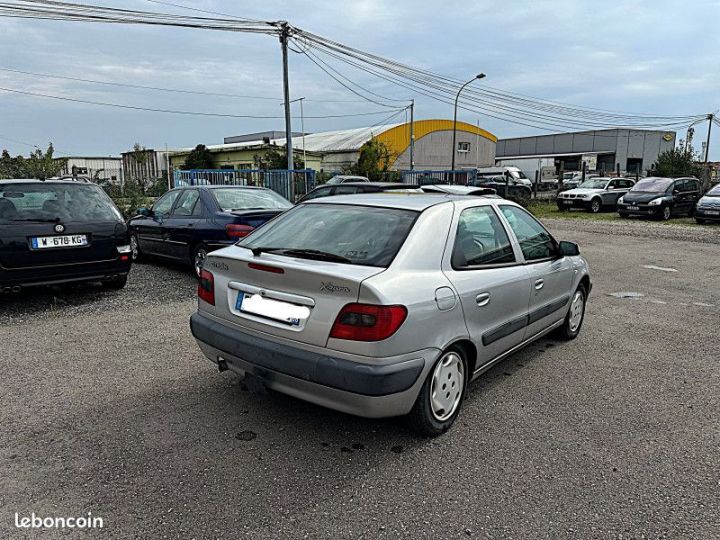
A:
440,398
666,213
595,206
700,221
135,252
198,257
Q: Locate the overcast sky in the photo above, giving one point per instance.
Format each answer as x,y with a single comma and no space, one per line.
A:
648,57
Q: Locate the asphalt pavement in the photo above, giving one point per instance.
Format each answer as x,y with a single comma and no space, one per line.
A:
107,406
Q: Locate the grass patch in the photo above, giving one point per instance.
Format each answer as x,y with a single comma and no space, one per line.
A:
547,209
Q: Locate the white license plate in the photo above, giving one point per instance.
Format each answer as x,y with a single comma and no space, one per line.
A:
567,202
712,212
68,240
633,208
284,312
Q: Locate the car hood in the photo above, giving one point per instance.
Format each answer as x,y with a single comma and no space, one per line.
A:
583,191
641,196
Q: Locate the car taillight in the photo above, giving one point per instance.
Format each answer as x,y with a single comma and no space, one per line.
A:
367,322
238,231
206,287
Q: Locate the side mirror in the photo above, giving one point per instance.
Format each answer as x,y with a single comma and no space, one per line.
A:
146,212
569,249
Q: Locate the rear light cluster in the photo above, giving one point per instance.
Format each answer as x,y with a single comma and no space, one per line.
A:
238,231
367,322
206,287
124,252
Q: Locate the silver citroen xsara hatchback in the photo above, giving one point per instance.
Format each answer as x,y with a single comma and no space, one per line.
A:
387,304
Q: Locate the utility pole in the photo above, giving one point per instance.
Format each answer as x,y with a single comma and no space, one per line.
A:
284,35
412,134
711,117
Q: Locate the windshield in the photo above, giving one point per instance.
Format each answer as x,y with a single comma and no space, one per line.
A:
593,184
66,202
517,174
653,185
245,199
364,235
714,192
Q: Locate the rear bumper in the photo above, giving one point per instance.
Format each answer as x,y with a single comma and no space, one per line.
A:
386,388
60,274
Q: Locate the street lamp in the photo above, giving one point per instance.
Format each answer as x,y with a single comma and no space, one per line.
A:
457,97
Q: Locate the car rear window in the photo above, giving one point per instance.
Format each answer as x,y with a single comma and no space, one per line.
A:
364,235
67,202
249,199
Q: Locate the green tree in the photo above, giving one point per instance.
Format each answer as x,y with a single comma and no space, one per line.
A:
199,158
42,165
12,167
274,160
374,160
677,162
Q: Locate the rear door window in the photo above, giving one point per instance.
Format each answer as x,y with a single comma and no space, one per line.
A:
480,240
363,235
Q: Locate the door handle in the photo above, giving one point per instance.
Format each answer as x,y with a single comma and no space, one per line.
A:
539,284
482,299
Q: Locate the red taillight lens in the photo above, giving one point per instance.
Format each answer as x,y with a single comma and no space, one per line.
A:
238,231
124,258
206,287
367,322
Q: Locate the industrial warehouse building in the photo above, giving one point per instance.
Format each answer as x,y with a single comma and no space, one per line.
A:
334,151
631,150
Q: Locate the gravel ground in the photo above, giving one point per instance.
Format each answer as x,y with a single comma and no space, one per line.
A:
107,406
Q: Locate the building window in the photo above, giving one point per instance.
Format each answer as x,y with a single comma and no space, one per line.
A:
463,147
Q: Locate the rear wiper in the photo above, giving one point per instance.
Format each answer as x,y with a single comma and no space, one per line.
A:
317,254
307,253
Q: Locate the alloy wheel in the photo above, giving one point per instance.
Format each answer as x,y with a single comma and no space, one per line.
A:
666,213
199,262
446,389
577,310
595,206
134,248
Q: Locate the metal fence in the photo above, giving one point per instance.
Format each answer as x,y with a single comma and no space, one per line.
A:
423,178
289,184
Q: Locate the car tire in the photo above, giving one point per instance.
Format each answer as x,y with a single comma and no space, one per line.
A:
116,285
623,215
575,316
700,221
665,213
595,206
197,258
135,254
430,416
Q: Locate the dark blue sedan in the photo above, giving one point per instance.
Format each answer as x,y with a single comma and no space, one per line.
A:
186,223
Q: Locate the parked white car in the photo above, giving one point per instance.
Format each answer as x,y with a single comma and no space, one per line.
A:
595,194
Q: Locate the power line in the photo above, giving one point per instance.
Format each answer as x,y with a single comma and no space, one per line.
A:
172,111
163,89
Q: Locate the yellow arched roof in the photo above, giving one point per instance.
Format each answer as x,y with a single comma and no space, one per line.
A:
398,138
